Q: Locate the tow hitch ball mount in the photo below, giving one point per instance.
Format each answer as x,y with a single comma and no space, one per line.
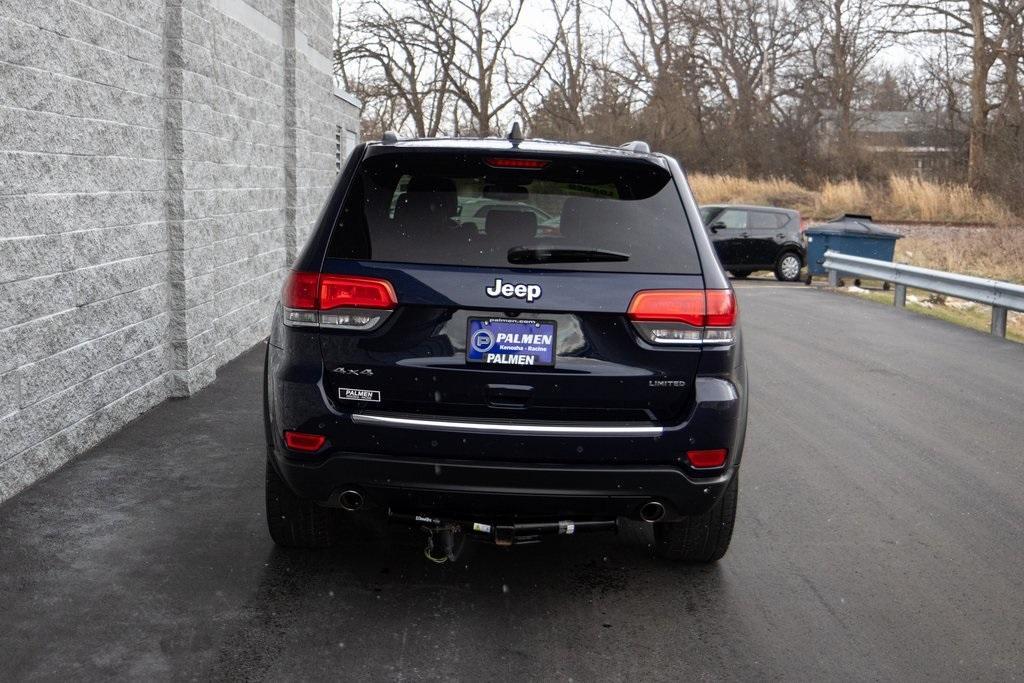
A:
446,538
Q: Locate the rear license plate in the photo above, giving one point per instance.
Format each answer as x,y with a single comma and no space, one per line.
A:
500,341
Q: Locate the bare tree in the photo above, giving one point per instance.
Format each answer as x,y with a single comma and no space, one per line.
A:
746,45
662,64
567,77
1011,116
987,28
727,85
848,36
487,73
402,56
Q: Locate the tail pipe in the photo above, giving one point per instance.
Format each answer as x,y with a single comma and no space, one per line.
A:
652,511
351,500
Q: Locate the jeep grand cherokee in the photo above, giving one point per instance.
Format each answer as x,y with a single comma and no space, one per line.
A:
502,380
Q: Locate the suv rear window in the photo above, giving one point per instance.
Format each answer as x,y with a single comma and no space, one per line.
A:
460,209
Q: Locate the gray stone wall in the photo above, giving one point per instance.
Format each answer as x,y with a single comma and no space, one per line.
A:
161,162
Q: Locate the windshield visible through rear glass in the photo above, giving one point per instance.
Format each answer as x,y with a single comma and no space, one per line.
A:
466,209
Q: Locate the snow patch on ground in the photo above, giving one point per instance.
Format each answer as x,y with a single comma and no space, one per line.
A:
961,305
920,301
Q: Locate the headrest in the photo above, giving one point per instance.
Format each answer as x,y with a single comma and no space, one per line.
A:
570,226
428,200
511,227
596,222
430,184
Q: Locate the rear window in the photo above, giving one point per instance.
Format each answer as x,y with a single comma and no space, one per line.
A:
764,220
460,209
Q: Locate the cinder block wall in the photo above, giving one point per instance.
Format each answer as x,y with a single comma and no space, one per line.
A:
160,164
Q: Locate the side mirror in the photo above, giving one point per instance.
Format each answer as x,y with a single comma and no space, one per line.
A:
716,226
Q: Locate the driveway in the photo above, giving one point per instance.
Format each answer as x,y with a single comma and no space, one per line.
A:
880,536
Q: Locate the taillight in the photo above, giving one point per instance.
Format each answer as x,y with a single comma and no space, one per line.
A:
684,316
721,316
338,291
301,290
684,306
707,459
307,443
346,302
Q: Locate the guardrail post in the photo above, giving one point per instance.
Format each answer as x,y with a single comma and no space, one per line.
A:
833,278
900,297
999,321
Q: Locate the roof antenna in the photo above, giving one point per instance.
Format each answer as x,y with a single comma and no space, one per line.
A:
515,136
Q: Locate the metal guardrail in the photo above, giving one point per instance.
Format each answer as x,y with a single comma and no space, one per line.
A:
1001,296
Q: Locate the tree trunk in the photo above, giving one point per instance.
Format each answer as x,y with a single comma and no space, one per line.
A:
1012,114
980,65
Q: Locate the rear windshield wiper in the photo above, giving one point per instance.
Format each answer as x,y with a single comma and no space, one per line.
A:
563,255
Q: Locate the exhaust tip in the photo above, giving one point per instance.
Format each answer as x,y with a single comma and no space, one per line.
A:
652,511
351,500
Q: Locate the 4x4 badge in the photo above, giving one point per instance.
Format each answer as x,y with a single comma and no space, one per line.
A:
518,290
352,371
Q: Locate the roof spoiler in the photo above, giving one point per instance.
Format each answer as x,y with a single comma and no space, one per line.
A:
854,216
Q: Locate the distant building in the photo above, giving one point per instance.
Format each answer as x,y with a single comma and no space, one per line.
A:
917,141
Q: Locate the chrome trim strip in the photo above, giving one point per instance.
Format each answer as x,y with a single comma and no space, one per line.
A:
381,313
676,342
691,342
423,423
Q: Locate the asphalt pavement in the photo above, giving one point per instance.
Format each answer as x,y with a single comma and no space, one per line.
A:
880,536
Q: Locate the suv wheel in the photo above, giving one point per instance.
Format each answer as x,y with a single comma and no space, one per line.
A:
296,522
701,538
740,274
293,522
787,268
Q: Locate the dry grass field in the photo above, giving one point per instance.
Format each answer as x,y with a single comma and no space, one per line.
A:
986,252
995,252
898,199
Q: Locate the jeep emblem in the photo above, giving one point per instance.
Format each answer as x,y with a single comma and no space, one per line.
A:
518,290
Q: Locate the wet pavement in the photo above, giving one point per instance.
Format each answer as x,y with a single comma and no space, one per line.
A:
880,536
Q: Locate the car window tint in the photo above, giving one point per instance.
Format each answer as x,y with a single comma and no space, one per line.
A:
459,209
733,219
764,220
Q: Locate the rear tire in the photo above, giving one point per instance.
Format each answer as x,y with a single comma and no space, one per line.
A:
293,522
787,267
740,274
702,538
297,522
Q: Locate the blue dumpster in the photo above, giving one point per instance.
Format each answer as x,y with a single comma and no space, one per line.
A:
852,234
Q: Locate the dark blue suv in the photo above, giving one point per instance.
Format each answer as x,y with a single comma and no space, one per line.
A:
499,378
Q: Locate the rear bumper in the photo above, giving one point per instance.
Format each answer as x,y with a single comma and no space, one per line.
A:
508,467
490,490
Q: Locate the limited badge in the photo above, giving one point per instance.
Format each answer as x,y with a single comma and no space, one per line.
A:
359,394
